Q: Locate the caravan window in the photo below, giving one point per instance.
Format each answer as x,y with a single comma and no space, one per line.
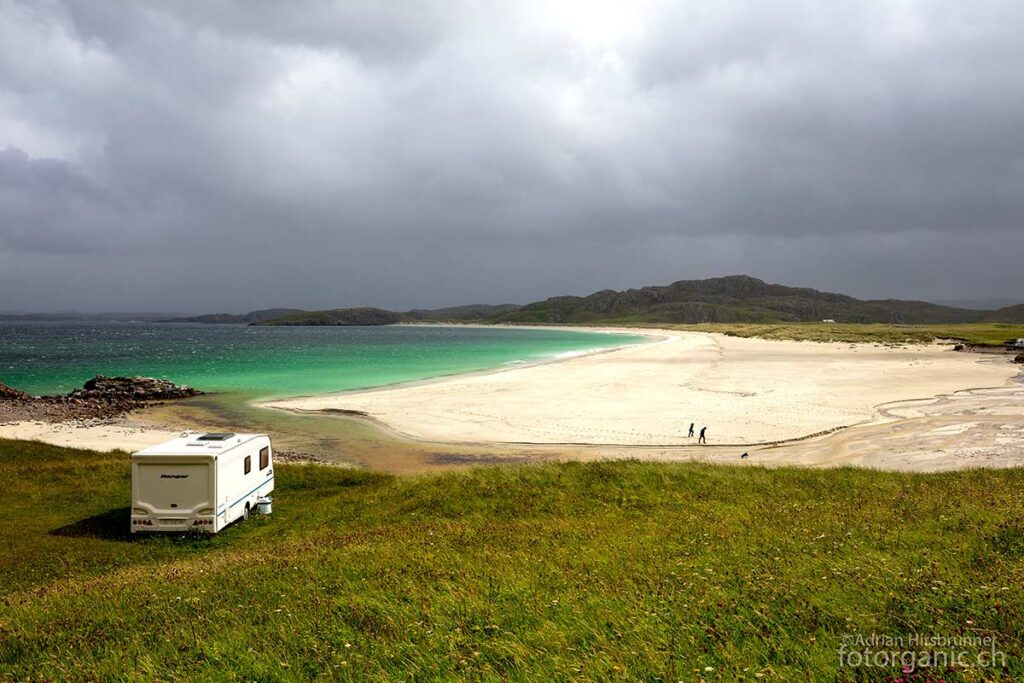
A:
264,458
248,464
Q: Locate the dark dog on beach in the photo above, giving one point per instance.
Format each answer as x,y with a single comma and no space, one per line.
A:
744,456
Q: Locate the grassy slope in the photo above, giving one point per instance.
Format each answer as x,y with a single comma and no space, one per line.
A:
982,334
550,572
978,334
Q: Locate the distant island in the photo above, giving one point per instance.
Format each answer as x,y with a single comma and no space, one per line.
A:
337,316
379,316
732,299
251,317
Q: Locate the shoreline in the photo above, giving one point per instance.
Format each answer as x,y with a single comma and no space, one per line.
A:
964,426
762,386
142,427
653,337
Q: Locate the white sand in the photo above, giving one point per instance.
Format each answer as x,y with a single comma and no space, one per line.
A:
115,435
746,391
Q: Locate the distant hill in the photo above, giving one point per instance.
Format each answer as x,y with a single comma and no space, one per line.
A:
378,316
337,316
344,316
977,304
740,298
470,313
733,299
1007,314
251,317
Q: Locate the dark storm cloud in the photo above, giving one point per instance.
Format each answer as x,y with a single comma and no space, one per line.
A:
234,155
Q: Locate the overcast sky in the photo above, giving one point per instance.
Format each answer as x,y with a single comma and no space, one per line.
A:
223,156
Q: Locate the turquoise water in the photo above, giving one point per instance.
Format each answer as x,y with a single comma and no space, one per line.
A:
43,358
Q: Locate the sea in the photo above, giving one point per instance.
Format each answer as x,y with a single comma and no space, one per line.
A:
263,362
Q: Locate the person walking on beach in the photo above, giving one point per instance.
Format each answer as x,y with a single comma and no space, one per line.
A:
702,439
691,431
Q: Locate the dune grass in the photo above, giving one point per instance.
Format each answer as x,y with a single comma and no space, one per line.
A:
575,571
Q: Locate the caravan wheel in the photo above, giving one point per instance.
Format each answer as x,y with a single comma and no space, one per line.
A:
245,512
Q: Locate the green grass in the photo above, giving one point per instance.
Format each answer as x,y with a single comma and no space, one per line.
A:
577,571
983,334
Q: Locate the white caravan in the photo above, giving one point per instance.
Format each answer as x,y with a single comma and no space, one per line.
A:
201,482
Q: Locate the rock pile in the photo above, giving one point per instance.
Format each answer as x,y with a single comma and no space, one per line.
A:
9,394
100,398
132,389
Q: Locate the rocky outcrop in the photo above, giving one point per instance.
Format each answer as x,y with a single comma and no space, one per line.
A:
132,388
1019,358
100,398
9,394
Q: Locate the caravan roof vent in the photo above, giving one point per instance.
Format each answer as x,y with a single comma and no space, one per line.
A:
215,436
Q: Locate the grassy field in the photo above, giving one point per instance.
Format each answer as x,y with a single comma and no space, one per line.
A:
555,572
984,334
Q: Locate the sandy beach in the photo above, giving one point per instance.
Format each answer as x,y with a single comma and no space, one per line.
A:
920,408
746,391
118,434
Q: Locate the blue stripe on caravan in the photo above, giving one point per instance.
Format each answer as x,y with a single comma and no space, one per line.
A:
244,497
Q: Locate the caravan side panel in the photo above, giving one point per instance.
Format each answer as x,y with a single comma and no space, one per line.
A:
244,474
